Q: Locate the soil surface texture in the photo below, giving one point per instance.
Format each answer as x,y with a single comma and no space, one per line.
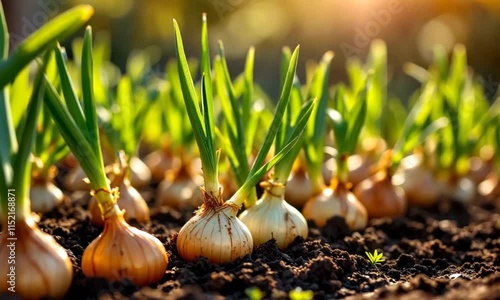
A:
446,252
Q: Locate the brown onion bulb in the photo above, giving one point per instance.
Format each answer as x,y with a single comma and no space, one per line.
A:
159,162
123,251
380,197
490,187
272,217
215,233
45,196
336,200
130,201
42,267
180,189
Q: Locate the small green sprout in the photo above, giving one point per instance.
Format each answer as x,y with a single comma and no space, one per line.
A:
375,258
254,293
299,294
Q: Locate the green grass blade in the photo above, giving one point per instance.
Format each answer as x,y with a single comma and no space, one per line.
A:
74,137
279,112
284,167
208,157
56,29
4,35
68,90
357,118
89,106
22,163
126,116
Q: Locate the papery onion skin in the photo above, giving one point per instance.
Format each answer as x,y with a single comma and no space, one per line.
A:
490,187
272,217
179,189
298,188
336,201
140,175
74,180
45,196
380,197
159,162
123,251
215,233
130,201
43,268
421,188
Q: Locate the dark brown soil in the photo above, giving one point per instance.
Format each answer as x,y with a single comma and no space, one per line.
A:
448,252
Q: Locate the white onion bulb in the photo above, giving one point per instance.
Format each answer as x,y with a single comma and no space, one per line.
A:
45,196
215,233
140,174
336,200
272,217
42,267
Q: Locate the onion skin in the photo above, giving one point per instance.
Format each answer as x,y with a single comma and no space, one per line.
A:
179,189
74,180
140,175
159,162
45,196
380,197
123,251
336,200
43,268
215,233
298,188
359,168
272,217
490,187
130,201
421,188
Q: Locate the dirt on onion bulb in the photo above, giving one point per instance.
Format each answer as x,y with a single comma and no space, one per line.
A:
273,218
123,251
43,267
215,233
336,200
380,197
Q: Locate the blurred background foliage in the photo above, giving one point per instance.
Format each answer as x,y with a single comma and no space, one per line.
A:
411,28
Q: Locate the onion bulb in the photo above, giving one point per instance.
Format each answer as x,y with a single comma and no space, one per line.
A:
75,180
140,173
42,267
490,187
180,189
123,251
380,197
215,233
130,201
272,217
298,188
159,162
421,187
336,200
45,196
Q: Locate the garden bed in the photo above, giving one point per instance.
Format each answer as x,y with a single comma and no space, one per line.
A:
451,252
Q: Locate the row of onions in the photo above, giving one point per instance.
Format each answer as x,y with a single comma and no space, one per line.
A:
220,146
